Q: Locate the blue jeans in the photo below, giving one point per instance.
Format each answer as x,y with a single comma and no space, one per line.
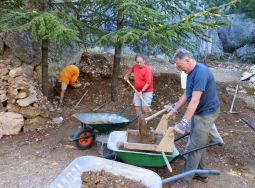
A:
199,135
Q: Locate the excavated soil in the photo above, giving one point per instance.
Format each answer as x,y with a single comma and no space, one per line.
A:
34,159
104,179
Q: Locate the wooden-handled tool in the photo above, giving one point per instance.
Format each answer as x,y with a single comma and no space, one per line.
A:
141,97
155,115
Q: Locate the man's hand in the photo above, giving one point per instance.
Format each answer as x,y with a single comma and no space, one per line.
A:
171,108
181,126
126,78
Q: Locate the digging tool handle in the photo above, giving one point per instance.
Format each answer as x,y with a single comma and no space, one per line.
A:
179,176
155,115
232,105
137,92
81,99
167,162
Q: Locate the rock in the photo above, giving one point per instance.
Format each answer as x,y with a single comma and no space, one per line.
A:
2,92
11,100
5,62
13,108
22,95
4,71
245,76
44,113
252,79
23,47
16,72
28,70
247,53
32,124
3,98
58,120
10,123
238,34
27,101
30,111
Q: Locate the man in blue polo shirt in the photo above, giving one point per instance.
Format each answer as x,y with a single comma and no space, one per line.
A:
203,109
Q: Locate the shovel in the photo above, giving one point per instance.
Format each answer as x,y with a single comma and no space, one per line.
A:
141,97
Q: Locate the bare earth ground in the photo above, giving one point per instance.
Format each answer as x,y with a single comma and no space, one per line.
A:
34,159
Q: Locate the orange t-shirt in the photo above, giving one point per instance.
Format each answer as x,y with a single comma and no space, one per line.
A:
69,75
142,75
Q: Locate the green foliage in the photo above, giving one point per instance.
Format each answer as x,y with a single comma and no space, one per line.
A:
244,6
164,24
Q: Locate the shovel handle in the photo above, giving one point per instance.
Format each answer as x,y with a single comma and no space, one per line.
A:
155,115
137,92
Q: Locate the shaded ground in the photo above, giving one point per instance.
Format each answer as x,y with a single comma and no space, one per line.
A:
34,159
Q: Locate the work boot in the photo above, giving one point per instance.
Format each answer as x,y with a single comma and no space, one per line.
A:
61,104
200,178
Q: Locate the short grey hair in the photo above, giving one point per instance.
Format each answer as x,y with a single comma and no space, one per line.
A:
181,53
139,55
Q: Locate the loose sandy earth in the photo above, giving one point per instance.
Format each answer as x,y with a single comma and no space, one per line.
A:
34,159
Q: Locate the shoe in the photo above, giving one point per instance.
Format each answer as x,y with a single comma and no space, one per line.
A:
220,143
179,185
200,178
61,104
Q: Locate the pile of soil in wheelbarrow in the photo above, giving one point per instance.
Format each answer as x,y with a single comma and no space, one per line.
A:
104,179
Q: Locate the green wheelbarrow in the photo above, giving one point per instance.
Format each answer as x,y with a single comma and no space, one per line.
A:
92,124
145,159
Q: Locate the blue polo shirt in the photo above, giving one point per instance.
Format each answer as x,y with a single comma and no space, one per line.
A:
202,79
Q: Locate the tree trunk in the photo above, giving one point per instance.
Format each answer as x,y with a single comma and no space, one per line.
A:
45,67
117,58
45,47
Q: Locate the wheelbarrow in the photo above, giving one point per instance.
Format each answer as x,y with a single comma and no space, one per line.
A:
70,177
145,159
93,124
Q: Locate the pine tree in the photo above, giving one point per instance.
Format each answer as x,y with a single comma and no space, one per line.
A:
161,24
44,22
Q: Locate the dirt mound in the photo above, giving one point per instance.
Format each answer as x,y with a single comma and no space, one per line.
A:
95,66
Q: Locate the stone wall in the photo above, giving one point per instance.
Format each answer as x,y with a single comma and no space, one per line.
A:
22,105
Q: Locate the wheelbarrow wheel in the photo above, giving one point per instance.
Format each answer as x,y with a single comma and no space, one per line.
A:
84,143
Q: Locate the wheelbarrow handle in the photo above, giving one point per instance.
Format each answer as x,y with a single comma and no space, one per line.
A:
199,148
197,171
195,149
248,123
181,137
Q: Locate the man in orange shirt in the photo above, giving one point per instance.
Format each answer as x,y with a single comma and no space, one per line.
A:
143,78
68,76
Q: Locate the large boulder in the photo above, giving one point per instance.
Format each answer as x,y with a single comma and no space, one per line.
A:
23,47
10,123
247,53
237,35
